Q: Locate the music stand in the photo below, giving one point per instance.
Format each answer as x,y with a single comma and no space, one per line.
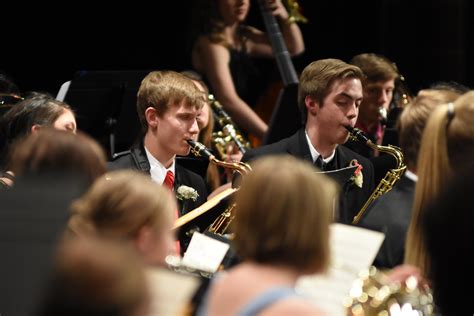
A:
33,216
286,117
105,105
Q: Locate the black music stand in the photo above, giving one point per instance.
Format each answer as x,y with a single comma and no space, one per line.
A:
286,117
105,105
33,216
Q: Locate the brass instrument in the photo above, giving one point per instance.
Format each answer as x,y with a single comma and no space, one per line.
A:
222,222
401,97
373,293
229,133
404,95
294,11
392,176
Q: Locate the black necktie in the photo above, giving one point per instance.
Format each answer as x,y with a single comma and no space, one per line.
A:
320,163
325,166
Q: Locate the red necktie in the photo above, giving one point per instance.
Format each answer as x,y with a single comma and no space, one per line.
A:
169,180
169,183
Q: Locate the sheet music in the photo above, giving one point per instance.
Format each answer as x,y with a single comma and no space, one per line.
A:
353,249
171,292
204,253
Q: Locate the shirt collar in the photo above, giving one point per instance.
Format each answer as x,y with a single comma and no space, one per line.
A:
157,170
314,153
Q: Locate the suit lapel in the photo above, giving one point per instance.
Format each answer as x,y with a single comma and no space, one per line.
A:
298,146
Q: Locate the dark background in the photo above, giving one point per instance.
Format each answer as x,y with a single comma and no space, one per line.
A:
429,40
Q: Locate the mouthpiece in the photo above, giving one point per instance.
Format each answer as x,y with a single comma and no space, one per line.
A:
357,134
199,149
383,115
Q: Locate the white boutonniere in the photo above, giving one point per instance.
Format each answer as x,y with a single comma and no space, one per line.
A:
186,193
357,178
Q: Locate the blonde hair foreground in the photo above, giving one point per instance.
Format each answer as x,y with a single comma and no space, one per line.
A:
119,204
283,213
447,146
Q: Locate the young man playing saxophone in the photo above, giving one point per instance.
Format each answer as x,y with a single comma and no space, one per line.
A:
168,104
329,96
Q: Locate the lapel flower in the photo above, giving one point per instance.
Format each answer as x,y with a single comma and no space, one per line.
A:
357,178
186,193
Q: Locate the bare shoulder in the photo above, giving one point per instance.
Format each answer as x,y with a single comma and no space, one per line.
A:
293,306
252,33
257,42
204,44
205,52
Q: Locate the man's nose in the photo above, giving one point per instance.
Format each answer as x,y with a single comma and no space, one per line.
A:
353,111
383,98
194,128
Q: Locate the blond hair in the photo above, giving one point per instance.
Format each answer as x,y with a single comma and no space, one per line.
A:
283,213
447,146
162,89
119,204
413,120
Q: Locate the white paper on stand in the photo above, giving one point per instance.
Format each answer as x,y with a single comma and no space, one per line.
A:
353,249
204,253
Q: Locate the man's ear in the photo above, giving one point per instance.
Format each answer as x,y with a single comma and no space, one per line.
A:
151,117
144,239
35,128
312,105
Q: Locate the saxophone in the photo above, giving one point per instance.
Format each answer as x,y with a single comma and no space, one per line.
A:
392,176
222,222
229,133
373,293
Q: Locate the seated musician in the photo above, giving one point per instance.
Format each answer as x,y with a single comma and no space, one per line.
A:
168,104
391,212
290,239
329,96
223,51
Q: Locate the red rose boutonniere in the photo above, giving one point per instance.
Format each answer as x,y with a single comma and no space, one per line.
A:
357,178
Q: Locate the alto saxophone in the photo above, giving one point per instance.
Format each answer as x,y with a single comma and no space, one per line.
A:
391,177
222,222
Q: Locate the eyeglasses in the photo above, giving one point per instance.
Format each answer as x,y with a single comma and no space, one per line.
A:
9,99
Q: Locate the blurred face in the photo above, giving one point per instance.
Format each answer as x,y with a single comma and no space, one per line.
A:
177,125
160,241
203,116
66,122
377,95
340,108
233,11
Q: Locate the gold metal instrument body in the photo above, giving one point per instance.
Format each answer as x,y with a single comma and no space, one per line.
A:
373,293
228,133
294,11
222,222
391,177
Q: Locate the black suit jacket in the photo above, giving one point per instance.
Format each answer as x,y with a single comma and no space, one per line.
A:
352,198
136,158
391,214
